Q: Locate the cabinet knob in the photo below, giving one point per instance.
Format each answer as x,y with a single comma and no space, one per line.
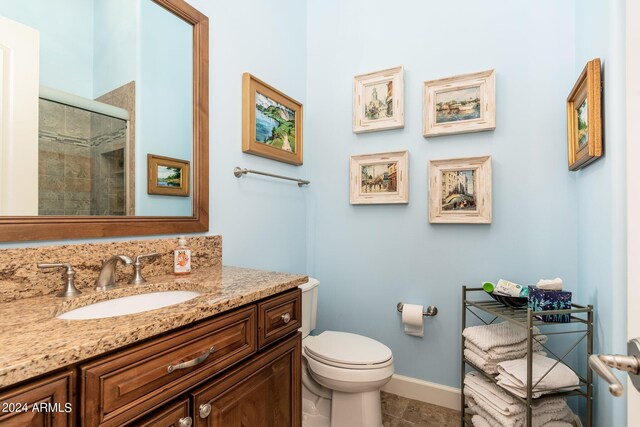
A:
205,410
286,318
185,422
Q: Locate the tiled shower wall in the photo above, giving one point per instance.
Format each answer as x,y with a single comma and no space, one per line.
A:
81,159
64,160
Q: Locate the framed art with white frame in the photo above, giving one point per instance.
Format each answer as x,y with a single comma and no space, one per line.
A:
460,104
380,178
378,100
460,190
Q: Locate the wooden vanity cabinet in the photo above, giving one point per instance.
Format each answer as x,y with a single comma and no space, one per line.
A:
238,368
42,403
117,388
265,392
245,364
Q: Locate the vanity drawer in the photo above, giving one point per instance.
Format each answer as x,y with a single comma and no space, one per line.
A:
125,384
171,415
279,316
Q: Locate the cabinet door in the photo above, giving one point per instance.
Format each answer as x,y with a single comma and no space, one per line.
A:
265,391
43,403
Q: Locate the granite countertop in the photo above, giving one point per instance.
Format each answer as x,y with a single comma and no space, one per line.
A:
33,341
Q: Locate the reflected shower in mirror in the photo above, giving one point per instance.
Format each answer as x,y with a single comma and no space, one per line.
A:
116,84
82,162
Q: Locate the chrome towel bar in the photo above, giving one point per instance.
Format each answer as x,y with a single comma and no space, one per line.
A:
238,172
429,311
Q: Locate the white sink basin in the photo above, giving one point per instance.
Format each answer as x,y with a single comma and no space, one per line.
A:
128,305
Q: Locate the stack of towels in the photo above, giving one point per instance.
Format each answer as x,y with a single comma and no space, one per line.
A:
488,345
493,407
548,376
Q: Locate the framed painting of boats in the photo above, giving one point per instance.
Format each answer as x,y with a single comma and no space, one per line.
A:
271,122
378,100
584,117
460,104
460,190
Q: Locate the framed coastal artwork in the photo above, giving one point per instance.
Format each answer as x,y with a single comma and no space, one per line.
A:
167,176
460,190
380,178
584,125
460,104
271,122
378,100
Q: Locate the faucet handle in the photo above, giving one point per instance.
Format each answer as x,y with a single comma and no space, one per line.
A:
69,289
137,277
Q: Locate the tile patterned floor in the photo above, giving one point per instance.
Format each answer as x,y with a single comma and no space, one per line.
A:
402,412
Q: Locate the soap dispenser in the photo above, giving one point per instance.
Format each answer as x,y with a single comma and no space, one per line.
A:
182,257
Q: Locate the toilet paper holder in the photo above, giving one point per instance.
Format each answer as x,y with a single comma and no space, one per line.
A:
428,311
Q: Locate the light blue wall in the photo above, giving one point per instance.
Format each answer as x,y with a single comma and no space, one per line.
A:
601,188
368,258
164,102
115,44
262,220
66,40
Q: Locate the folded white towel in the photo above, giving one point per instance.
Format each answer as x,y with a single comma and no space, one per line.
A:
506,384
550,284
482,388
540,416
479,421
489,365
492,393
513,375
507,352
496,335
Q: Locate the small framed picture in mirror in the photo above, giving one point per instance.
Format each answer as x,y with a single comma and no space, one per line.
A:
167,176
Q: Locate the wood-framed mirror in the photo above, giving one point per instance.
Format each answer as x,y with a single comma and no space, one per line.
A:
116,204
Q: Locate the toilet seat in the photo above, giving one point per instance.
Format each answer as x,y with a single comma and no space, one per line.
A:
347,351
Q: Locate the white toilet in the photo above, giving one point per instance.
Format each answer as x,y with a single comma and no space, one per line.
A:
342,373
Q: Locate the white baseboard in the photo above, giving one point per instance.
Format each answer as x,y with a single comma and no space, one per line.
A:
424,391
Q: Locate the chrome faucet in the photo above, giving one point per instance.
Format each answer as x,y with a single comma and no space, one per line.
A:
107,278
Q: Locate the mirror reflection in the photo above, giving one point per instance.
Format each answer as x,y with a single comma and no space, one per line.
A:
115,86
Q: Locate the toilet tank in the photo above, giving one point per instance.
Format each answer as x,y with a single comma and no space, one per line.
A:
309,306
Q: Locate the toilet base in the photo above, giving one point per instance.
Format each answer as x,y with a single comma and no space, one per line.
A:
356,409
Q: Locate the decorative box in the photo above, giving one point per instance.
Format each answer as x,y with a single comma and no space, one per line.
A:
545,300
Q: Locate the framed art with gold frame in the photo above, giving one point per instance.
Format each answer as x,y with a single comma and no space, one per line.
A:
584,117
167,176
271,122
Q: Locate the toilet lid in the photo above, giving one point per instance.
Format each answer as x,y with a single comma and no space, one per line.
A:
346,349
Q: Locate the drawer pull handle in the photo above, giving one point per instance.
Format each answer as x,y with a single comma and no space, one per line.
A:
286,318
205,410
185,422
198,360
